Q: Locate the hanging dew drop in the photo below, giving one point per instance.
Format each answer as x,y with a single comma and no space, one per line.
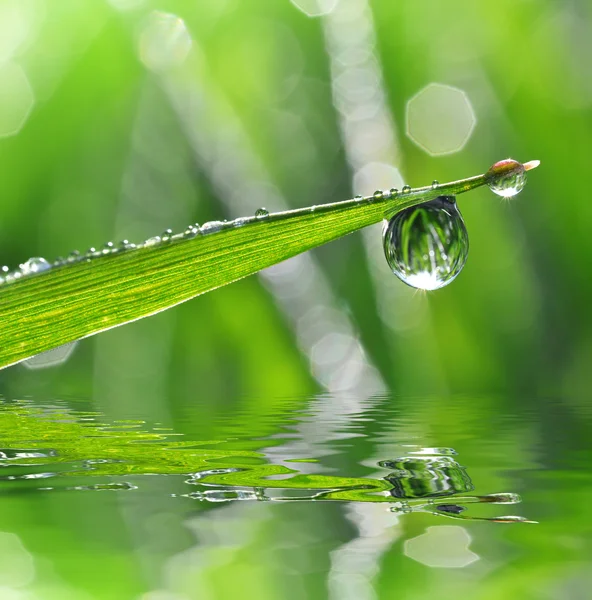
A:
427,245
506,178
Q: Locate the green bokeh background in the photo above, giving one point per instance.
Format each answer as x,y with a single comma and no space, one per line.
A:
120,143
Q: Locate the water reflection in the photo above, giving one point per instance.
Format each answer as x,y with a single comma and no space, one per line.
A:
72,450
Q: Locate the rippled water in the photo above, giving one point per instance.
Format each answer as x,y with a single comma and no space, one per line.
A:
323,497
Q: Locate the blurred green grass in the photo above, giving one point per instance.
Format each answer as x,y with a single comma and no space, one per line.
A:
113,150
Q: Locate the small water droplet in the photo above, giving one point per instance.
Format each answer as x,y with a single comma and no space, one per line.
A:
394,192
406,189
73,256
358,198
125,245
506,178
262,213
36,264
153,241
435,184
108,248
240,221
166,235
212,226
378,195
433,227
191,231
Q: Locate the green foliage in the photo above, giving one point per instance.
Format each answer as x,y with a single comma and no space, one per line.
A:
72,301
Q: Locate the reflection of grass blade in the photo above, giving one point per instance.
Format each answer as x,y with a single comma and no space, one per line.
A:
42,311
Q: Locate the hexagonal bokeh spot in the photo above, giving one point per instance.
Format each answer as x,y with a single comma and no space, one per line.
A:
315,8
16,99
165,42
440,119
445,546
51,358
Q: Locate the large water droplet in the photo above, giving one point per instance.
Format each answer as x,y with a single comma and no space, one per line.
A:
506,178
427,245
35,265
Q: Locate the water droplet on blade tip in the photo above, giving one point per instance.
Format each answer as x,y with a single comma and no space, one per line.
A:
506,178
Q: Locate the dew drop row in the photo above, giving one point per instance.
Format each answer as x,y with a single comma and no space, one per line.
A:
38,264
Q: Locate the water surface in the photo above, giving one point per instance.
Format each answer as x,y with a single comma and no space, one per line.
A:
321,497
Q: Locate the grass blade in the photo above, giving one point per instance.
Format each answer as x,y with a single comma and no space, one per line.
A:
69,302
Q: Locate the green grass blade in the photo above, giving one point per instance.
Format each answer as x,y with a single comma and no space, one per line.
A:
40,312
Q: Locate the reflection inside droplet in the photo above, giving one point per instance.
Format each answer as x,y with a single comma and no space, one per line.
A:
426,246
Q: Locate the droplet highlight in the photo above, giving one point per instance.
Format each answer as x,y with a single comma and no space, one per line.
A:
427,245
506,178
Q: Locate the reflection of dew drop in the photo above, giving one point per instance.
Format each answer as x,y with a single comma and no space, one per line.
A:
506,178
262,213
426,246
35,265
